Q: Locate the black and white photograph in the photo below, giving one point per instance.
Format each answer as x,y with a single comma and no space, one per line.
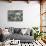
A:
15,15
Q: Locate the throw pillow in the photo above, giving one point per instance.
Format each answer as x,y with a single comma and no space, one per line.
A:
23,31
17,30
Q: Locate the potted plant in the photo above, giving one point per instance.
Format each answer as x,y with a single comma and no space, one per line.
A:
37,33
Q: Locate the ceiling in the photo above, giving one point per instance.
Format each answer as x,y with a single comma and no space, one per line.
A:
24,0
20,0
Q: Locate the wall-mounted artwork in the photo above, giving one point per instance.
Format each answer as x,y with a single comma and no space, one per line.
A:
15,15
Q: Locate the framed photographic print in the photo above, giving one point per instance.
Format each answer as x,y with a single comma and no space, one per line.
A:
15,15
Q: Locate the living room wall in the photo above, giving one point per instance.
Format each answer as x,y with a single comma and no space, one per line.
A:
31,14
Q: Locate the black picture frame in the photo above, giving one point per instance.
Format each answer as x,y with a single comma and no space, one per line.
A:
15,15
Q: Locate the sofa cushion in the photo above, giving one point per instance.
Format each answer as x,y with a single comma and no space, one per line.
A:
11,30
24,30
17,30
22,38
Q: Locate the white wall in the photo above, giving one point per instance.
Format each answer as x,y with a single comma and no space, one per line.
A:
31,14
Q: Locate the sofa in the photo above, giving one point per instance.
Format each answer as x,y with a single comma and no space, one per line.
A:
24,37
